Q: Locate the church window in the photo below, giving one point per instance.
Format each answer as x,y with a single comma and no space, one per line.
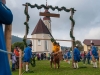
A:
39,42
46,45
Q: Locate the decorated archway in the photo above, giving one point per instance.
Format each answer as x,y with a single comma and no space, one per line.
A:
72,10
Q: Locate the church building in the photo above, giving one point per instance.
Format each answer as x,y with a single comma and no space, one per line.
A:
42,30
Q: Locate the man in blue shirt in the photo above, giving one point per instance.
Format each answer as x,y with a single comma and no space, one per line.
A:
27,56
76,55
94,54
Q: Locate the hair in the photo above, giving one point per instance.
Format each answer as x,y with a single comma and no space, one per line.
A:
30,45
92,43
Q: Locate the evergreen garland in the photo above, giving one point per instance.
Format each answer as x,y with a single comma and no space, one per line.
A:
32,61
73,23
53,40
24,41
27,26
48,7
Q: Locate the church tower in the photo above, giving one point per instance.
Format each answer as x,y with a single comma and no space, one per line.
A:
43,31
47,20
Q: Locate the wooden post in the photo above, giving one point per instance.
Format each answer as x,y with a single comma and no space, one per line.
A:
8,30
26,21
72,28
99,57
20,62
50,39
25,31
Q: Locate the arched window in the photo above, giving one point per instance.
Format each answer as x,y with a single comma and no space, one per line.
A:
39,42
46,45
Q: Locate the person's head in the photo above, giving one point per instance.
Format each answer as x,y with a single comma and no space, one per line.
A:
92,43
30,45
58,44
16,46
76,46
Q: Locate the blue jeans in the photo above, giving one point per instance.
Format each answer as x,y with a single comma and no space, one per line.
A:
13,65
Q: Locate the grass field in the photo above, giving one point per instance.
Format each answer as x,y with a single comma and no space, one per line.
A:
43,68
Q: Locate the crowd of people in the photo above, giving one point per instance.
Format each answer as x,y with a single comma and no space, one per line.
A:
15,58
42,56
27,54
91,56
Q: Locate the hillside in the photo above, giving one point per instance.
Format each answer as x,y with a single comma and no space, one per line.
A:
17,39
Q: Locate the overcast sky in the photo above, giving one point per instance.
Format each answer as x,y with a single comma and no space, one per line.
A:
87,18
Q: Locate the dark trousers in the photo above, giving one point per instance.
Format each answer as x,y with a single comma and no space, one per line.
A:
17,63
84,59
88,60
13,66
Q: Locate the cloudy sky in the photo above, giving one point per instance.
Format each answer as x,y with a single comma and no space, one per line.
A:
87,18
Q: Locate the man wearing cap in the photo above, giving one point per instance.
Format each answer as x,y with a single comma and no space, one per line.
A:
76,54
27,56
94,54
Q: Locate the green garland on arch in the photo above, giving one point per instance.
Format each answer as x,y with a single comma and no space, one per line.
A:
24,41
27,26
32,61
47,7
73,23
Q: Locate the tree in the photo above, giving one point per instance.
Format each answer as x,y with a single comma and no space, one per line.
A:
19,44
79,44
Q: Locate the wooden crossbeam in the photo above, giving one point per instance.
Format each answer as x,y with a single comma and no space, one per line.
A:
49,14
49,39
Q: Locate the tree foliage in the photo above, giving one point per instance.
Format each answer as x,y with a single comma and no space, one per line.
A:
79,44
19,44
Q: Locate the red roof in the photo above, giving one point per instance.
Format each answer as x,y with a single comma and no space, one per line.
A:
95,41
41,28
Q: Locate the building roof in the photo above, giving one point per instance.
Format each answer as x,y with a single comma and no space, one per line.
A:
95,41
46,17
41,28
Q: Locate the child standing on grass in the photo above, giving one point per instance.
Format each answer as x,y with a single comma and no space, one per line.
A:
13,61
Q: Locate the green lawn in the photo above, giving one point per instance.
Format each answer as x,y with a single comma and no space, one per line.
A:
43,68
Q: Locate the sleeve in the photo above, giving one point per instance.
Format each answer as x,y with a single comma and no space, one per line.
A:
15,58
6,16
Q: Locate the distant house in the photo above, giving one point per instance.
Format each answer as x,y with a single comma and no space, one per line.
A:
87,43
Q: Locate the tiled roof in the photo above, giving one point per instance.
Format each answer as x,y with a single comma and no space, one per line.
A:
95,41
41,28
